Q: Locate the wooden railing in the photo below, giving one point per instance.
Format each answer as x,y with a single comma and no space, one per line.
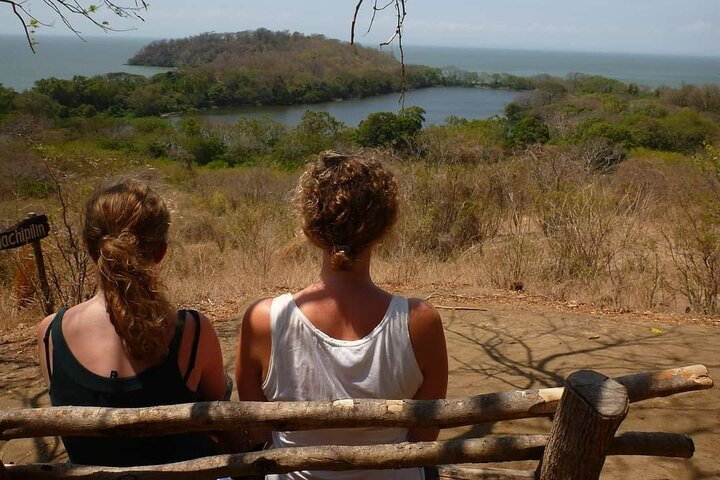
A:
587,413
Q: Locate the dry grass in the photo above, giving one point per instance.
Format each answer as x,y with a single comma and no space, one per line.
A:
540,222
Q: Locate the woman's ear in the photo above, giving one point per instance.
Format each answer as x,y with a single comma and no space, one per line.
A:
160,253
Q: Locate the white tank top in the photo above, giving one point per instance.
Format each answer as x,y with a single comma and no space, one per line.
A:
306,364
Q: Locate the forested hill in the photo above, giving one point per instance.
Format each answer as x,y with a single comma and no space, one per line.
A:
261,47
264,67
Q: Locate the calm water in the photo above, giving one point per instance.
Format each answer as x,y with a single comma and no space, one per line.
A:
439,103
651,70
65,57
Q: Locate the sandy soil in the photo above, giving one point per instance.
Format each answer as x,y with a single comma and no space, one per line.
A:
501,343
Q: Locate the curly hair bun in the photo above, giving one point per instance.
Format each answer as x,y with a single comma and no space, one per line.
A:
346,203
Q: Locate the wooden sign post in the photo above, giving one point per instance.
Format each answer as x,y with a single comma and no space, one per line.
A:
31,231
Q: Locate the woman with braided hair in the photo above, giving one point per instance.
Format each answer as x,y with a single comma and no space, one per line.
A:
343,336
127,346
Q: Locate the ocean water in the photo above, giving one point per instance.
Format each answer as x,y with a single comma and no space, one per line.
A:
650,70
65,57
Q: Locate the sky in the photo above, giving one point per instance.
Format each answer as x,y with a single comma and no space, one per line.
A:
687,27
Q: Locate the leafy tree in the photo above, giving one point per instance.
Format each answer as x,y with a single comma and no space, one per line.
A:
254,139
36,104
316,131
204,145
388,129
7,95
529,130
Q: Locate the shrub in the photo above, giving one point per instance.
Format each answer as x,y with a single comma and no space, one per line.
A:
528,131
448,210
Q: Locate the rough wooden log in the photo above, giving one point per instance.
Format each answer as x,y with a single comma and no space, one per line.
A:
208,416
590,411
655,444
404,455
662,383
447,472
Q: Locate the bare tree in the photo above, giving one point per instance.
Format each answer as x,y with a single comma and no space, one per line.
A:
69,10
397,34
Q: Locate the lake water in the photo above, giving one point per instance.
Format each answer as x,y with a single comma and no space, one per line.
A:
439,103
66,56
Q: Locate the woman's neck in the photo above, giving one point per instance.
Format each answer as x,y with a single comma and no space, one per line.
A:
358,275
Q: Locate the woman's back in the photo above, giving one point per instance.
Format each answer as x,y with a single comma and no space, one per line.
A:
343,337
73,383
126,346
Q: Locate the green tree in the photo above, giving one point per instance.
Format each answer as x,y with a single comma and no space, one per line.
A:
529,130
7,96
388,129
203,144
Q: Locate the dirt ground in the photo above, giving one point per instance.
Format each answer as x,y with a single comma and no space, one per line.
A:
500,343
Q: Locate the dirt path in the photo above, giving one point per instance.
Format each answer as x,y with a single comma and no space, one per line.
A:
496,346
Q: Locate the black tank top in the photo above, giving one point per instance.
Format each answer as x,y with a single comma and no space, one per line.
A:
162,384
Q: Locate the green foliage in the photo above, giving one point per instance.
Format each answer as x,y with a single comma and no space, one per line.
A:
202,144
317,131
465,141
709,160
586,84
7,96
33,188
254,139
35,103
681,131
388,129
600,128
528,131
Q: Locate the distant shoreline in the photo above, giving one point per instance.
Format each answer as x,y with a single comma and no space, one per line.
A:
66,56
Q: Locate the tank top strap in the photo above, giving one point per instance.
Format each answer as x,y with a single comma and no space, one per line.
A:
398,314
55,329
176,341
281,309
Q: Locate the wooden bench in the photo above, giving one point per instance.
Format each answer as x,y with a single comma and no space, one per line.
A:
587,413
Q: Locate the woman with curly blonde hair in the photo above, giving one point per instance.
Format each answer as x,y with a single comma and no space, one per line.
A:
343,336
127,346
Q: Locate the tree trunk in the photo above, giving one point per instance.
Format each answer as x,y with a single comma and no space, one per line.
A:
590,411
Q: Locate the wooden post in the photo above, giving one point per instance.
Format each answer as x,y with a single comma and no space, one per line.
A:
48,301
4,475
591,409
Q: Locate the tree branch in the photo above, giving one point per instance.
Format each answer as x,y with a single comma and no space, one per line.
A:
401,13
65,9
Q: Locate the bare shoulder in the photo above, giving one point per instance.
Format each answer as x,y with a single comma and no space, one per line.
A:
423,314
257,317
427,337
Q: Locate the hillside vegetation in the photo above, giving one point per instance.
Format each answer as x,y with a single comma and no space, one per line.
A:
586,190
